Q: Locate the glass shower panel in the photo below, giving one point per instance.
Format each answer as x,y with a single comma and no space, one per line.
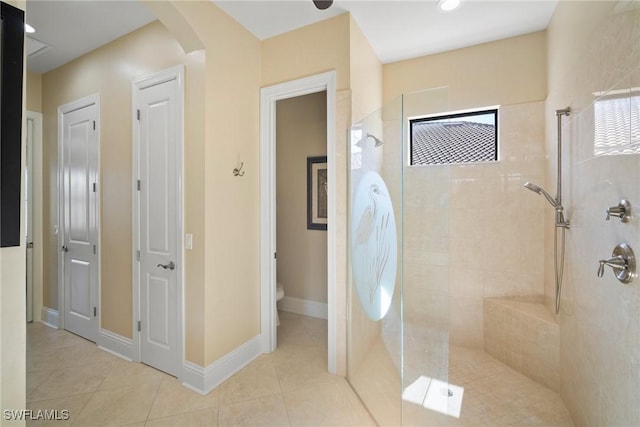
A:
391,333
374,329
425,385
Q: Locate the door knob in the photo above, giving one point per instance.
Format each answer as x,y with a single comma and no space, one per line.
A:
170,266
64,249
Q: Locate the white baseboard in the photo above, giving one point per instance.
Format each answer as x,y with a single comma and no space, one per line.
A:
203,380
50,317
304,306
116,344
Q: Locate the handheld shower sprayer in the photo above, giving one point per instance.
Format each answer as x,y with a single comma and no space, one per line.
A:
531,186
561,224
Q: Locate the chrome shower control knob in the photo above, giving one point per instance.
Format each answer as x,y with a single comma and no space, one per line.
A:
622,262
622,211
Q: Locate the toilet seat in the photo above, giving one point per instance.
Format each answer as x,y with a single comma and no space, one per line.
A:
279,296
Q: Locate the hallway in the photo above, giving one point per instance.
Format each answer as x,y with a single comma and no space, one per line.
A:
289,387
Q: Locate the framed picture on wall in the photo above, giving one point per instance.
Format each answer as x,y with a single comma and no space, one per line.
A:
317,193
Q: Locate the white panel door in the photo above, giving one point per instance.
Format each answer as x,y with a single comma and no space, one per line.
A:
79,169
158,134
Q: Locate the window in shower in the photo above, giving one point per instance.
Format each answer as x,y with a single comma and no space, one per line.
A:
617,122
452,138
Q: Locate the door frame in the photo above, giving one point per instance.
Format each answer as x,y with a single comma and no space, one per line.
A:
29,217
93,99
36,207
177,73
268,99
38,249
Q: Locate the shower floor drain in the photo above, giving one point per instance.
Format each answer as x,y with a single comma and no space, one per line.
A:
435,395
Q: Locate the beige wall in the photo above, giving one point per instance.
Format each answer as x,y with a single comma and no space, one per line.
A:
229,303
12,315
109,71
310,50
508,71
301,132
366,75
34,92
593,48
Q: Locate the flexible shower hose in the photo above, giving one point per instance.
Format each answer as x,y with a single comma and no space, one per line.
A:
559,266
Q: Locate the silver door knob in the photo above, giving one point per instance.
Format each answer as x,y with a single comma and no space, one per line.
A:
170,266
64,249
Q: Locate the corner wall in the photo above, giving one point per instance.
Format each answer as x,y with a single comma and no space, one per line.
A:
594,47
229,305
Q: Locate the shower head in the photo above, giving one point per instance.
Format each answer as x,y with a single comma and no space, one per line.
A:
531,186
378,141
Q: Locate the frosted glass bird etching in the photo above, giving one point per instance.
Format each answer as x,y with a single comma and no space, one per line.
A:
368,217
373,245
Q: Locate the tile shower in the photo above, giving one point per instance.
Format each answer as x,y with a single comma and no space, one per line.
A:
472,305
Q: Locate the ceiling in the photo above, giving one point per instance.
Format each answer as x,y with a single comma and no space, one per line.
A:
396,29
66,30
401,29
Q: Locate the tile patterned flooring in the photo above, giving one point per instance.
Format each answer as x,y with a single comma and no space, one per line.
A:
289,387
495,395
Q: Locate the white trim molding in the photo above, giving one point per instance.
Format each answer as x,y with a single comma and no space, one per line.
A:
268,99
203,380
50,317
116,344
304,306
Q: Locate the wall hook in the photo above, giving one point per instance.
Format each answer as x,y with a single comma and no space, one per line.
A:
239,171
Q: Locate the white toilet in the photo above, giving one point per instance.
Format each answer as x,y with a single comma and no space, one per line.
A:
279,296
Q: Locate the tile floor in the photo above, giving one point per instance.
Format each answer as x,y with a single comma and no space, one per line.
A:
289,387
494,394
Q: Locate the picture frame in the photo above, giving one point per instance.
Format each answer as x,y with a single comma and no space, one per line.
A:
317,209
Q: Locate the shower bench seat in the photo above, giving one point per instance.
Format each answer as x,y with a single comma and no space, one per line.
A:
522,333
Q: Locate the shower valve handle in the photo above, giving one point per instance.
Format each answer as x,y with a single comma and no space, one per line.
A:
622,211
622,262
617,263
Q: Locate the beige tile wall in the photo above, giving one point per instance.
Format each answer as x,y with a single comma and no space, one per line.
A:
594,48
496,247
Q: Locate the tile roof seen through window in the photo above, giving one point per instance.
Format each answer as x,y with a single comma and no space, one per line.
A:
437,142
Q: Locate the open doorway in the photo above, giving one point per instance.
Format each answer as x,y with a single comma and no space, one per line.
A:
270,96
301,209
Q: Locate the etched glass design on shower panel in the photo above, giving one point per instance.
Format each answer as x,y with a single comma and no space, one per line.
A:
617,123
373,245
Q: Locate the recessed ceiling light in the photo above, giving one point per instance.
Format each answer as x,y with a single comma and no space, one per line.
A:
29,29
448,5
